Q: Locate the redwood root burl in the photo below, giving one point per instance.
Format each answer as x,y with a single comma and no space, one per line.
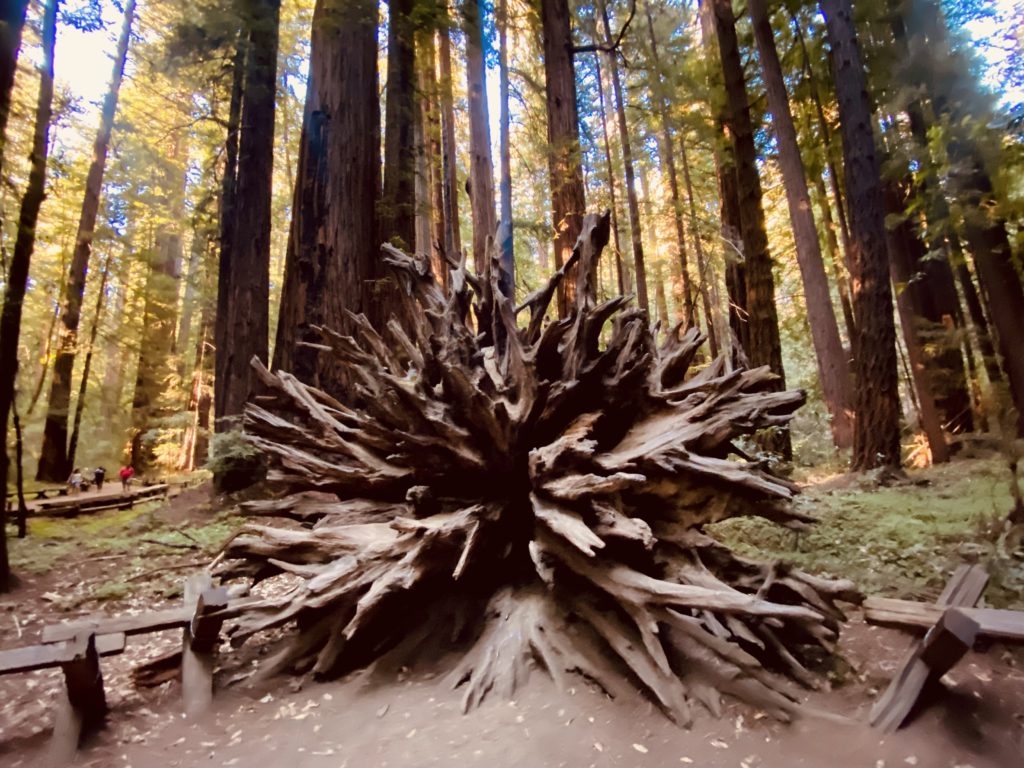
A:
532,496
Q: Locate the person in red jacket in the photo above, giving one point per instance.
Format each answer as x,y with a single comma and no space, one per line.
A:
126,474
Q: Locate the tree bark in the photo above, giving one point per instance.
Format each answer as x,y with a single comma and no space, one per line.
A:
833,370
244,317
17,276
877,435
398,200
905,252
228,203
763,346
149,401
12,21
450,188
947,79
481,169
505,233
632,201
431,112
568,199
690,317
332,264
706,285
83,386
621,271
53,457
835,257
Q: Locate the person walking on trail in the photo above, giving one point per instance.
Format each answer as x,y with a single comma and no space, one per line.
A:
75,481
98,475
126,474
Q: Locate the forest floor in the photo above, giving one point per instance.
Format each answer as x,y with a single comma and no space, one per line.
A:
902,541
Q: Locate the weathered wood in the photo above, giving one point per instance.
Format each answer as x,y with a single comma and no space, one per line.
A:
943,646
993,623
35,657
536,493
198,641
143,623
83,706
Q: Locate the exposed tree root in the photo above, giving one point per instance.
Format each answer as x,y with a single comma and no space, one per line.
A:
537,495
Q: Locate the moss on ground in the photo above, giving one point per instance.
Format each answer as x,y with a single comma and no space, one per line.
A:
899,541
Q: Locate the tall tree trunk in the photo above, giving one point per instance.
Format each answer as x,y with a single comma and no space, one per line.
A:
763,345
635,231
706,284
244,317
12,21
568,199
44,362
505,238
621,271
17,277
481,169
435,163
668,158
228,203
835,257
149,402
452,236
398,201
833,370
946,76
201,238
905,252
332,264
83,387
196,439
877,435
53,457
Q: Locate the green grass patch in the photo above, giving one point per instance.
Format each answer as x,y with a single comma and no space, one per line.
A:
900,541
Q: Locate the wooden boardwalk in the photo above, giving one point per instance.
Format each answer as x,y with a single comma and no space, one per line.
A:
111,497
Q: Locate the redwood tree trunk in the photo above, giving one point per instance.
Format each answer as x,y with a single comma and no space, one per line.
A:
398,201
228,197
833,369
244,316
983,227
568,199
332,262
83,386
876,397
621,272
53,457
12,21
706,286
763,345
17,276
508,261
149,401
669,158
481,168
450,189
632,201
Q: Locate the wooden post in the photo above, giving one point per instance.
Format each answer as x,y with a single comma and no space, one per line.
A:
199,641
84,706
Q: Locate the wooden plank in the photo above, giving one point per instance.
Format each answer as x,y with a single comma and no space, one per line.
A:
35,657
994,623
83,708
964,587
943,646
196,662
153,621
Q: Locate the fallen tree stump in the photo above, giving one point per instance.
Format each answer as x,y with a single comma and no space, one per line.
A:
537,494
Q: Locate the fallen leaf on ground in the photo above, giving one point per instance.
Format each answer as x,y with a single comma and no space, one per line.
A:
640,748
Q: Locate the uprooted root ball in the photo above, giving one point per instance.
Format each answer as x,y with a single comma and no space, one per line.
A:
538,494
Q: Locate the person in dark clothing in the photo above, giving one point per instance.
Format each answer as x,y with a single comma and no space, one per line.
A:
98,476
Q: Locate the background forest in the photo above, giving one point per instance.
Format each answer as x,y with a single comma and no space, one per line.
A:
840,201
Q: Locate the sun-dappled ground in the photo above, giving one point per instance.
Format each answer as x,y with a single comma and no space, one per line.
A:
899,540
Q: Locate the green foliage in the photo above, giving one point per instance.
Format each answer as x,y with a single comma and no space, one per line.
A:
900,541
